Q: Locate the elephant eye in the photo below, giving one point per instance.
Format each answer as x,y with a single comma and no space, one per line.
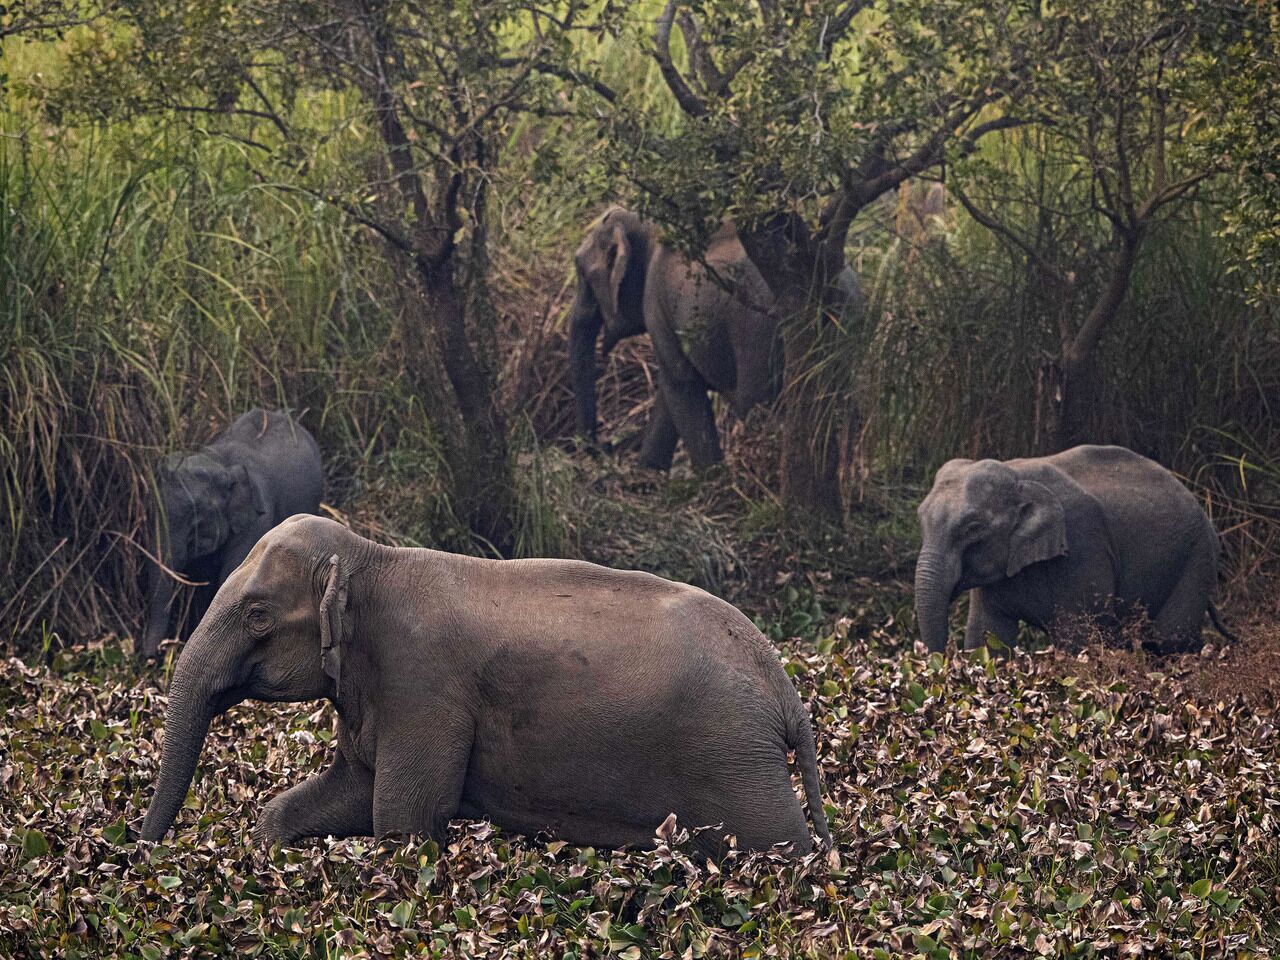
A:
259,620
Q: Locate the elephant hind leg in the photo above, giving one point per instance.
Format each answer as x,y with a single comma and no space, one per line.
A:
660,436
337,802
690,408
1179,622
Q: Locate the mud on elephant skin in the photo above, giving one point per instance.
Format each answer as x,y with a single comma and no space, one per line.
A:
215,503
1094,531
544,695
705,338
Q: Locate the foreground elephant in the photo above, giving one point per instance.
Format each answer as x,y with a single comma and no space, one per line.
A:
704,338
217,502
545,695
1078,532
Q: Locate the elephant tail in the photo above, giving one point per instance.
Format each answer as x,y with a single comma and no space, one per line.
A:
1217,623
800,739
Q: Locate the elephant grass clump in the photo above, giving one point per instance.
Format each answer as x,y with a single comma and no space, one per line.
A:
1048,805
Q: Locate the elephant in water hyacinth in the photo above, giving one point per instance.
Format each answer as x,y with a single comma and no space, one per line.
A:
216,503
545,695
704,337
1090,531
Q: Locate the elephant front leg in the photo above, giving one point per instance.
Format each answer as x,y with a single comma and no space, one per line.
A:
337,802
983,620
422,769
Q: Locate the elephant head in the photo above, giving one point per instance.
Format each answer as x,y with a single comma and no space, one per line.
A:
611,265
980,524
275,632
203,504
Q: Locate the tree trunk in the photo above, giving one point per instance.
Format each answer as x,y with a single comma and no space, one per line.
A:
811,431
483,483
1073,388
803,277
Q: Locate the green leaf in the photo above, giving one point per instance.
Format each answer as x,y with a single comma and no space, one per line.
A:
1079,899
34,845
402,914
169,883
1201,887
916,694
116,832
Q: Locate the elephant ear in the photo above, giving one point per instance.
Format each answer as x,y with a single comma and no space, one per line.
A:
333,608
618,262
1041,529
245,505
171,464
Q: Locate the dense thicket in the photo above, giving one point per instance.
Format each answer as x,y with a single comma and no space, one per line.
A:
176,247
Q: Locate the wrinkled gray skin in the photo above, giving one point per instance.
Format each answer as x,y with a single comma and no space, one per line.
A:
704,338
1074,533
544,695
216,503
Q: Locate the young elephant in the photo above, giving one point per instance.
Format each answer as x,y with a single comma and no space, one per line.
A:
217,502
545,695
1073,533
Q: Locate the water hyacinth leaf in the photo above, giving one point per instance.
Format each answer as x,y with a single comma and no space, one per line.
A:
402,914
34,844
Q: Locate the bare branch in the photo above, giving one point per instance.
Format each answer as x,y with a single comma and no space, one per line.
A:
838,26
1009,234
704,68
598,87
685,97
1172,192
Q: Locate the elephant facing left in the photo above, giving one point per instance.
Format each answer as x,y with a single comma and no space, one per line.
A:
215,503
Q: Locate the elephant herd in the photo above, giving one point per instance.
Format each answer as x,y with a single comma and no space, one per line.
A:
563,697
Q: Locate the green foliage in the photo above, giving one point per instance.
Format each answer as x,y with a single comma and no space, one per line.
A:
1237,80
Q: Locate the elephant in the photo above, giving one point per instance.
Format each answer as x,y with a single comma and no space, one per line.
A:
215,503
704,337
548,696
1095,531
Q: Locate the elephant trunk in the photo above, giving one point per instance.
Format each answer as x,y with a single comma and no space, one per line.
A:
936,579
160,592
585,322
193,703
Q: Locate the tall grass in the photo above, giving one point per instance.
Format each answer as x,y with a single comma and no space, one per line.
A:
152,292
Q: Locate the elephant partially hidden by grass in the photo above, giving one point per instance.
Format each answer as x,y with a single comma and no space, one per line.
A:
216,503
704,336
1087,532
545,695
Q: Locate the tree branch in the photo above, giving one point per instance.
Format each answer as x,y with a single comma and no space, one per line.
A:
704,68
685,97
1009,234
